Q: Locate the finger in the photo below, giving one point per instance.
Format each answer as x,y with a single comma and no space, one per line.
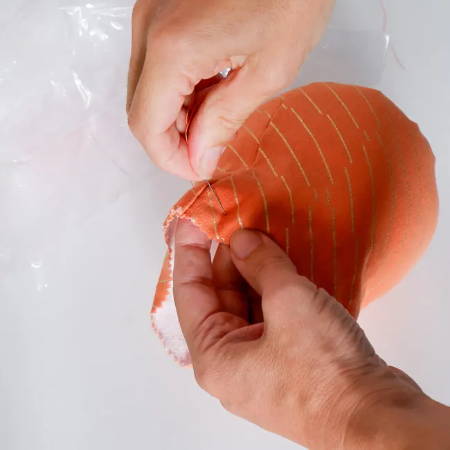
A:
182,121
230,285
199,309
140,21
154,124
165,82
193,101
195,297
260,260
227,106
268,269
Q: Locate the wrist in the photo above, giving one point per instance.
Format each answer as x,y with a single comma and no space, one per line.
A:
381,421
398,416
375,407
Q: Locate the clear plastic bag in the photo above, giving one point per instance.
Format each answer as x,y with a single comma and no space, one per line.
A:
65,147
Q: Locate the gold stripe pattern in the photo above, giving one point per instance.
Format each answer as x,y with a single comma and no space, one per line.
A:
236,199
250,132
341,137
260,150
350,194
264,199
344,105
291,199
265,113
291,150
222,170
268,161
311,101
371,108
213,217
233,149
316,143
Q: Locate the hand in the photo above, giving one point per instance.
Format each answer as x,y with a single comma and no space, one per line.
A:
307,371
178,43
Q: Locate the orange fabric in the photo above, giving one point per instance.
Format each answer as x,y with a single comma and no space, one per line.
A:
338,176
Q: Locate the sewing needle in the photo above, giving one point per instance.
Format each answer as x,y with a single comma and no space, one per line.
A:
215,195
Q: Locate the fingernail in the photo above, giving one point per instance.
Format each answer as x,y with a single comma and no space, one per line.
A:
245,242
209,160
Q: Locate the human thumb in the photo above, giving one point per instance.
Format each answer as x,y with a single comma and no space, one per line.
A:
286,296
223,111
260,260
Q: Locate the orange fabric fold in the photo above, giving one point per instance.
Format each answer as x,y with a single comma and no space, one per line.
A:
338,176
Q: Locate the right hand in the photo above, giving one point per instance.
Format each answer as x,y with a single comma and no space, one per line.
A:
178,43
305,369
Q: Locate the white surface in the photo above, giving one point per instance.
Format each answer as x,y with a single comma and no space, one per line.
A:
81,242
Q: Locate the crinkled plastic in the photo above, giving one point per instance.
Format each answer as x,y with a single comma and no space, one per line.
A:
65,149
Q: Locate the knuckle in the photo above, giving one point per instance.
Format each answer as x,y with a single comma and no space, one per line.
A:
294,286
308,287
324,303
230,122
216,321
214,329
214,353
291,288
268,264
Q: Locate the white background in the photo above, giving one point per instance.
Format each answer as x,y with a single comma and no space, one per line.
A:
81,242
